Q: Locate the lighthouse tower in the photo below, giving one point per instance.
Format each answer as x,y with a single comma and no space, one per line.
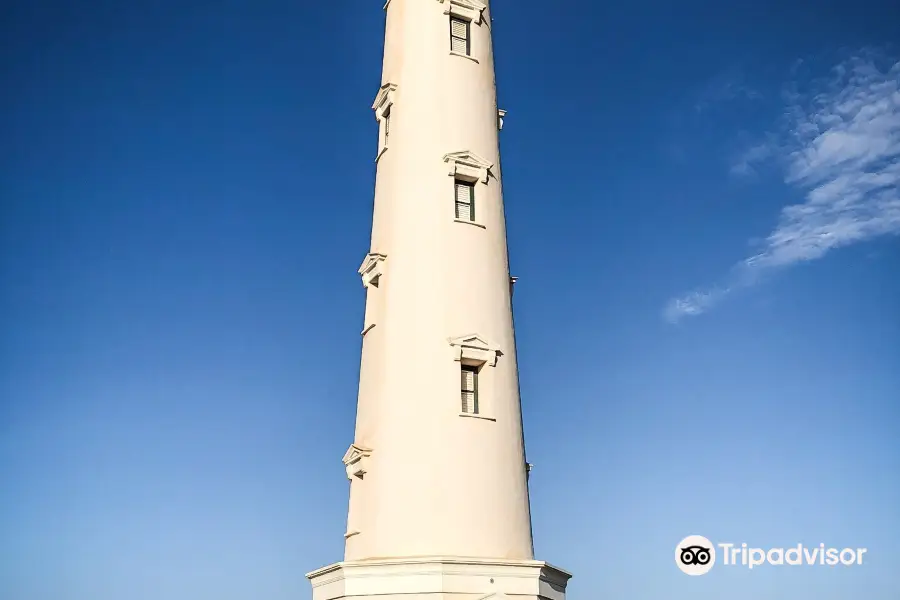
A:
439,504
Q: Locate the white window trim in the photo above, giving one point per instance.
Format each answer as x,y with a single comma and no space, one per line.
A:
384,100
500,114
470,10
356,461
467,165
372,268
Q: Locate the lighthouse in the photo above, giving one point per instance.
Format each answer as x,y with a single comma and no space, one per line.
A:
438,501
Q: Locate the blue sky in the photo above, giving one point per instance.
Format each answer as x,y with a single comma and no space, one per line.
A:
702,206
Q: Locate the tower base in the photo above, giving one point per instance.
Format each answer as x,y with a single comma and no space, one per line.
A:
439,578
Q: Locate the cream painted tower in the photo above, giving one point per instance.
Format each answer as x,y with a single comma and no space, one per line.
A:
439,503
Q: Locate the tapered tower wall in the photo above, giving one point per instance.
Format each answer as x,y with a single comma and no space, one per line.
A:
436,481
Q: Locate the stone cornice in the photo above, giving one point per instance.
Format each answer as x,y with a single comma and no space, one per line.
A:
481,577
432,561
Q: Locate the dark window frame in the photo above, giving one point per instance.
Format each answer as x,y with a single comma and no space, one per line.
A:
468,38
473,391
456,184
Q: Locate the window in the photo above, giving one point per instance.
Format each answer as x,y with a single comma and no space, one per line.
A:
384,102
477,359
465,200
356,463
371,271
372,268
463,14
384,134
459,36
469,389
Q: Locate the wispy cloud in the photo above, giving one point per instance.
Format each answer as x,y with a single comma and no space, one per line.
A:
727,87
840,146
745,161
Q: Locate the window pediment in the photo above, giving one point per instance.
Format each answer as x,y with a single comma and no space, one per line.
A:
356,460
468,165
473,348
384,99
465,9
372,268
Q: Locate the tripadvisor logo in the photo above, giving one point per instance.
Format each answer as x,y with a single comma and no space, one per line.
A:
696,555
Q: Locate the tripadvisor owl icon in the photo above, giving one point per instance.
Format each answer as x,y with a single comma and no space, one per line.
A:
695,555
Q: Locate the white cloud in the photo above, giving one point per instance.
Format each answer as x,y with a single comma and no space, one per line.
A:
840,146
727,87
743,165
694,303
